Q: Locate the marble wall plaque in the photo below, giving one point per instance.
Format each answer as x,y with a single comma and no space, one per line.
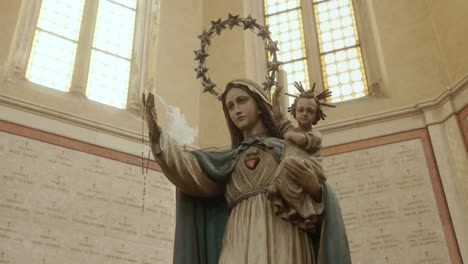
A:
59,205
388,204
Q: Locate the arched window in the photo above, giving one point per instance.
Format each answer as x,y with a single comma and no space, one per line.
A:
85,47
319,41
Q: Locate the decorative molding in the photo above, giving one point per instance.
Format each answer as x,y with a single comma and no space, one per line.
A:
125,125
462,117
114,128
422,108
74,119
74,144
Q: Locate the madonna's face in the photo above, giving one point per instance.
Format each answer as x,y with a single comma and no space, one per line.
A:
243,109
306,110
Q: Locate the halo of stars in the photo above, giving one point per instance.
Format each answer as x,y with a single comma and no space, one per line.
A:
232,21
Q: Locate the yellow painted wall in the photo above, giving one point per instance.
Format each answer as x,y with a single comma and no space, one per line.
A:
451,26
226,62
180,23
8,15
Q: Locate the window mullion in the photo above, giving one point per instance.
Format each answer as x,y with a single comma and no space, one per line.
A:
139,55
344,48
368,51
83,53
282,11
25,38
311,43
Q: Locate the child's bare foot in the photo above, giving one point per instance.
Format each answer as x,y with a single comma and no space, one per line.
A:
272,189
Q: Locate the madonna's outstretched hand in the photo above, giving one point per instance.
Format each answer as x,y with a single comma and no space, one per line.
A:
151,118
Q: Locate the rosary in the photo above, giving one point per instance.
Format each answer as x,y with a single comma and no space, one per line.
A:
144,169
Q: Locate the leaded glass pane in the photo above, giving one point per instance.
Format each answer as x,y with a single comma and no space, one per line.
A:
108,79
336,25
344,74
51,61
296,72
275,6
61,17
54,46
114,29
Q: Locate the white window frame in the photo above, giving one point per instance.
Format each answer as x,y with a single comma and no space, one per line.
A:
146,14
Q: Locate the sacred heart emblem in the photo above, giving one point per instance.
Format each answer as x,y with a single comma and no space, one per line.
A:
252,163
251,160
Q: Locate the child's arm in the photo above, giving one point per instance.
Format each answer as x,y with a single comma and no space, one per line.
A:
278,115
283,124
308,141
297,138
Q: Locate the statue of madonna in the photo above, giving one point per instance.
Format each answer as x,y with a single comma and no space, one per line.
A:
223,214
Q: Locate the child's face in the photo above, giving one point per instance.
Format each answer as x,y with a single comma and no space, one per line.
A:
306,109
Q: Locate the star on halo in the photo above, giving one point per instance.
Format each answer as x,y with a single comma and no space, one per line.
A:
205,37
208,85
249,22
264,32
273,65
272,46
200,54
269,81
201,70
233,21
218,26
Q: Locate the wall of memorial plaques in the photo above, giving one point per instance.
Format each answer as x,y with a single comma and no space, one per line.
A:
59,205
388,204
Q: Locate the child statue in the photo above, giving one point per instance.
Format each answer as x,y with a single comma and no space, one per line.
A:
297,199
